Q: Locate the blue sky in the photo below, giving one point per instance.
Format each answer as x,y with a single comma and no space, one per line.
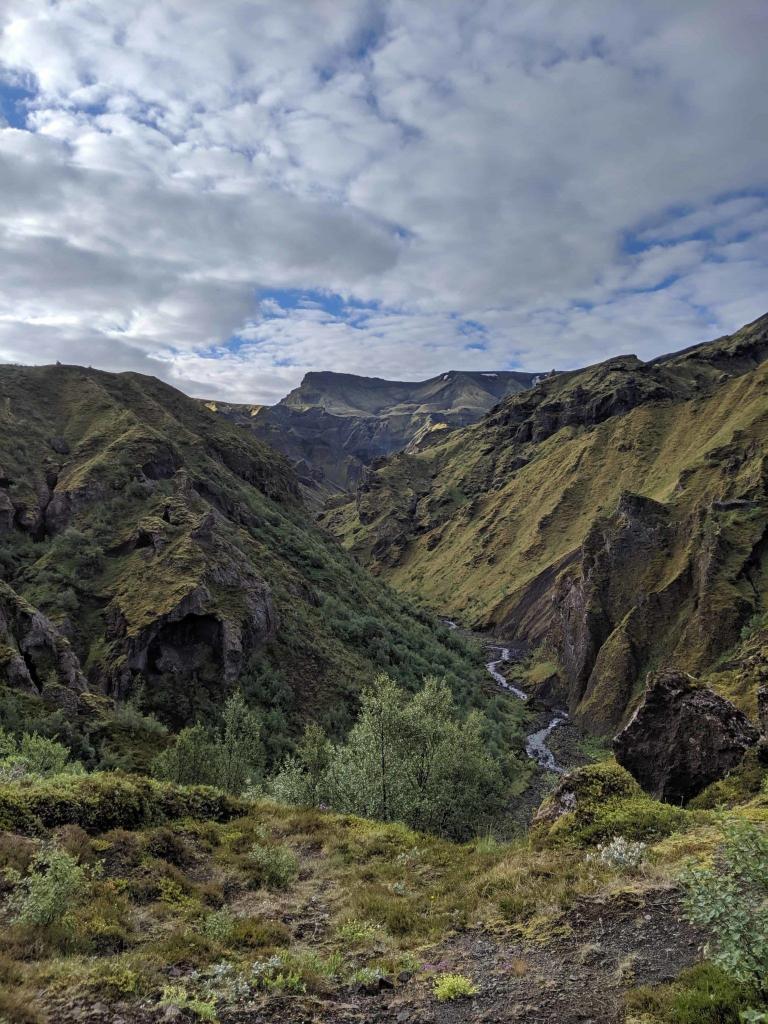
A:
231,195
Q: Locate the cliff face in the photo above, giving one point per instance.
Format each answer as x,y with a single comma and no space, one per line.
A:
146,542
616,517
335,424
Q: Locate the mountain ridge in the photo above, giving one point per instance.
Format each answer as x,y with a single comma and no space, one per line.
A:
333,425
615,515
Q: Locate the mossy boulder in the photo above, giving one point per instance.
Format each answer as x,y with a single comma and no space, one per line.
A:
599,801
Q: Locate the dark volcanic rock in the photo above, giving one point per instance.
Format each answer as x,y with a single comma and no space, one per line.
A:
32,651
682,737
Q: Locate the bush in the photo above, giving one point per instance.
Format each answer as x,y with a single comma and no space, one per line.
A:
275,867
703,994
406,759
55,886
730,901
33,756
453,986
219,925
232,760
105,801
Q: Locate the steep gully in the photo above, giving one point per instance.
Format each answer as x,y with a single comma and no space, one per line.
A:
536,742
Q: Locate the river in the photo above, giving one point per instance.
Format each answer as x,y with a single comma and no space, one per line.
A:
536,742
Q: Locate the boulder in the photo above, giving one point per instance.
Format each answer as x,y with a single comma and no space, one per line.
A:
682,738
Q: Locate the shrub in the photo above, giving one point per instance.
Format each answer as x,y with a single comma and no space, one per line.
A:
219,925
176,995
232,759
730,901
55,886
33,755
703,994
620,853
275,867
453,986
105,801
406,759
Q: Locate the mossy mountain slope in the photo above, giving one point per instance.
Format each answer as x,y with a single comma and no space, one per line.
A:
335,424
146,543
615,516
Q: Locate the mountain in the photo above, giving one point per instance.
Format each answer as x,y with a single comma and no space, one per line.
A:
335,424
149,546
613,518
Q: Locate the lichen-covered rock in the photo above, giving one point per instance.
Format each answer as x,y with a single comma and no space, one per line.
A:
33,654
682,738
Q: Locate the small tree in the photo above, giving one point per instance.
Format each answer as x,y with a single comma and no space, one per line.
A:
239,751
730,901
302,777
231,759
34,755
190,760
405,760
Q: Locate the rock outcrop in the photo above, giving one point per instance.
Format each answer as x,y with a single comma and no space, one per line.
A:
32,651
335,424
682,738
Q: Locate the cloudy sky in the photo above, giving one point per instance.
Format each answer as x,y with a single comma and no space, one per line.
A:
229,194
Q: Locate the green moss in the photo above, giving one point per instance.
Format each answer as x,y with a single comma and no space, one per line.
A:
739,786
601,801
103,801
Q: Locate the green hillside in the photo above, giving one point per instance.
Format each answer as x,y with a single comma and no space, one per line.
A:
614,518
149,547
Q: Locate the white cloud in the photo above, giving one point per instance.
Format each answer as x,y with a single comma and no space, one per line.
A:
485,161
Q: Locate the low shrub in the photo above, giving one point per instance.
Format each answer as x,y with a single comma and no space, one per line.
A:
55,886
703,994
274,867
621,854
730,900
254,933
105,801
453,986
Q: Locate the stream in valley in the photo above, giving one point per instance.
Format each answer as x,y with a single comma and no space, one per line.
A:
536,742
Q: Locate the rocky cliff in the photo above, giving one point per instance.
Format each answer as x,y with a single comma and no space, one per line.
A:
615,518
146,543
335,424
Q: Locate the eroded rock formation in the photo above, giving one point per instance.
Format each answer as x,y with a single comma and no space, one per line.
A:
32,651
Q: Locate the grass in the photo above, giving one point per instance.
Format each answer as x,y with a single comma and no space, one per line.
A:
180,893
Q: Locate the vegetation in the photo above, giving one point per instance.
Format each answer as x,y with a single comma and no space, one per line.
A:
162,506
448,987
140,877
404,760
494,523
730,900
230,759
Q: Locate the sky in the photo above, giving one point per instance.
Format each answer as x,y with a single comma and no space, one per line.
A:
227,195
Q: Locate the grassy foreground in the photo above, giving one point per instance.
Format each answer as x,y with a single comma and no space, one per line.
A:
219,906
